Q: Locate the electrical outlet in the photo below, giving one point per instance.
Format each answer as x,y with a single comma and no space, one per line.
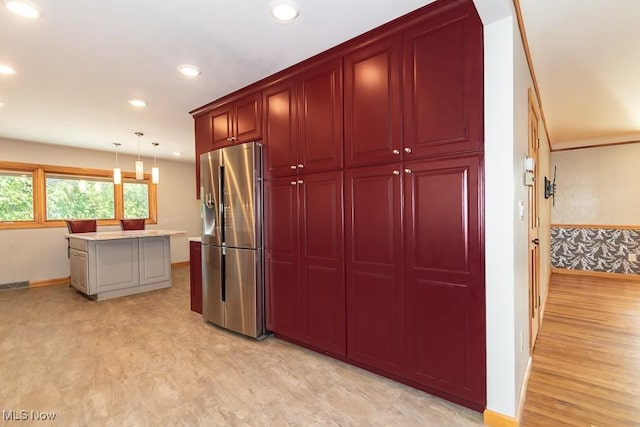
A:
633,257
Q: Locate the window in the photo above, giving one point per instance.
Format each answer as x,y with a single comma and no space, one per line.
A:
136,200
44,196
74,197
16,196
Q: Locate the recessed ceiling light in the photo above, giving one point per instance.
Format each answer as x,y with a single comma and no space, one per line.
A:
285,10
23,8
5,69
189,70
138,103
177,153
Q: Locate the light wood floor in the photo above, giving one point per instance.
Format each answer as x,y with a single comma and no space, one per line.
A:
148,360
586,362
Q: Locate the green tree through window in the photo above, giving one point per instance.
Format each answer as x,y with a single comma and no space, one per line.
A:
136,200
79,198
16,196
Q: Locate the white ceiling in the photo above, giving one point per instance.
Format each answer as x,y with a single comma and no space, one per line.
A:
586,56
79,63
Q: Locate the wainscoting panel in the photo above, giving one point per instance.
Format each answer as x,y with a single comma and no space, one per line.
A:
595,248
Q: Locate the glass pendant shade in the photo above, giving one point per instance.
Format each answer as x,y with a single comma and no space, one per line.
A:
117,172
117,176
139,169
155,171
139,164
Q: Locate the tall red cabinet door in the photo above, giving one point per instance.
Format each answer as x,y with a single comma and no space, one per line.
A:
322,254
444,277
203,131
320,117
372,106
374,258
280,129
282,285
443,84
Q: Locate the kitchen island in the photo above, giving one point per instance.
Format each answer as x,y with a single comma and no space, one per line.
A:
112,264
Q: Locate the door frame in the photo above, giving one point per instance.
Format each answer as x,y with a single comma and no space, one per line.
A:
533,122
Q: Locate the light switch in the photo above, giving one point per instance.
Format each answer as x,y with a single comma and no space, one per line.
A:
521,207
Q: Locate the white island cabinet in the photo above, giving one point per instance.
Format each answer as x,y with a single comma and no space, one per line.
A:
116,263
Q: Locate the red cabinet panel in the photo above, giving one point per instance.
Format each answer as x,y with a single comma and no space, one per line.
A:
444,276
320,118
443,85
195,276
203,131
374,258
281,130
322,260
283,291
305,261
303,122
247,119
372,105
221,126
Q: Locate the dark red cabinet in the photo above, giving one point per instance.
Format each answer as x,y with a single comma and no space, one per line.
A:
444,276
374,266
372,103
390,278
303,122
195,276
236,121
443,84
304,259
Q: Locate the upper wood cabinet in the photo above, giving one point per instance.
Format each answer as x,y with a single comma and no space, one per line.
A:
443,84
372,103
303,121
233,122
237,121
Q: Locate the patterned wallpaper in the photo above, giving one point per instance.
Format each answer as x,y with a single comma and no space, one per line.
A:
595,249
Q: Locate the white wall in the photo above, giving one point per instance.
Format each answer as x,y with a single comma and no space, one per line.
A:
507,83
500,210
522,83
37,254
598,186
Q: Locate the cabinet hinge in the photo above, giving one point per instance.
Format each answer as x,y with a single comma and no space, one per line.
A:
538,143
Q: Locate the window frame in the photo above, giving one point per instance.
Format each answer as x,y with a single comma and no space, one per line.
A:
39,172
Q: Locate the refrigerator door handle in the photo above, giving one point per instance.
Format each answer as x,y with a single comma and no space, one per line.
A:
221,205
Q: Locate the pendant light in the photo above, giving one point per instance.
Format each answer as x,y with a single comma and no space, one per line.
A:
117,172
139,164
155,172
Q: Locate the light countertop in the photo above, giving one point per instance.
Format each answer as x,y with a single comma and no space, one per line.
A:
130,234
195,239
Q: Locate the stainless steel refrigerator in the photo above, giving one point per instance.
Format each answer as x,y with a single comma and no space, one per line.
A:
232,252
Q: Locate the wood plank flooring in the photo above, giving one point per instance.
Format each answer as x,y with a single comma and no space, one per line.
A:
586,362
148,360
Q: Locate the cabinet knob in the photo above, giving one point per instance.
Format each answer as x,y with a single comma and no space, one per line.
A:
300,165
408,171
293,166
407,150
300,181
396,172
229,139
396,152
293,183
234,138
